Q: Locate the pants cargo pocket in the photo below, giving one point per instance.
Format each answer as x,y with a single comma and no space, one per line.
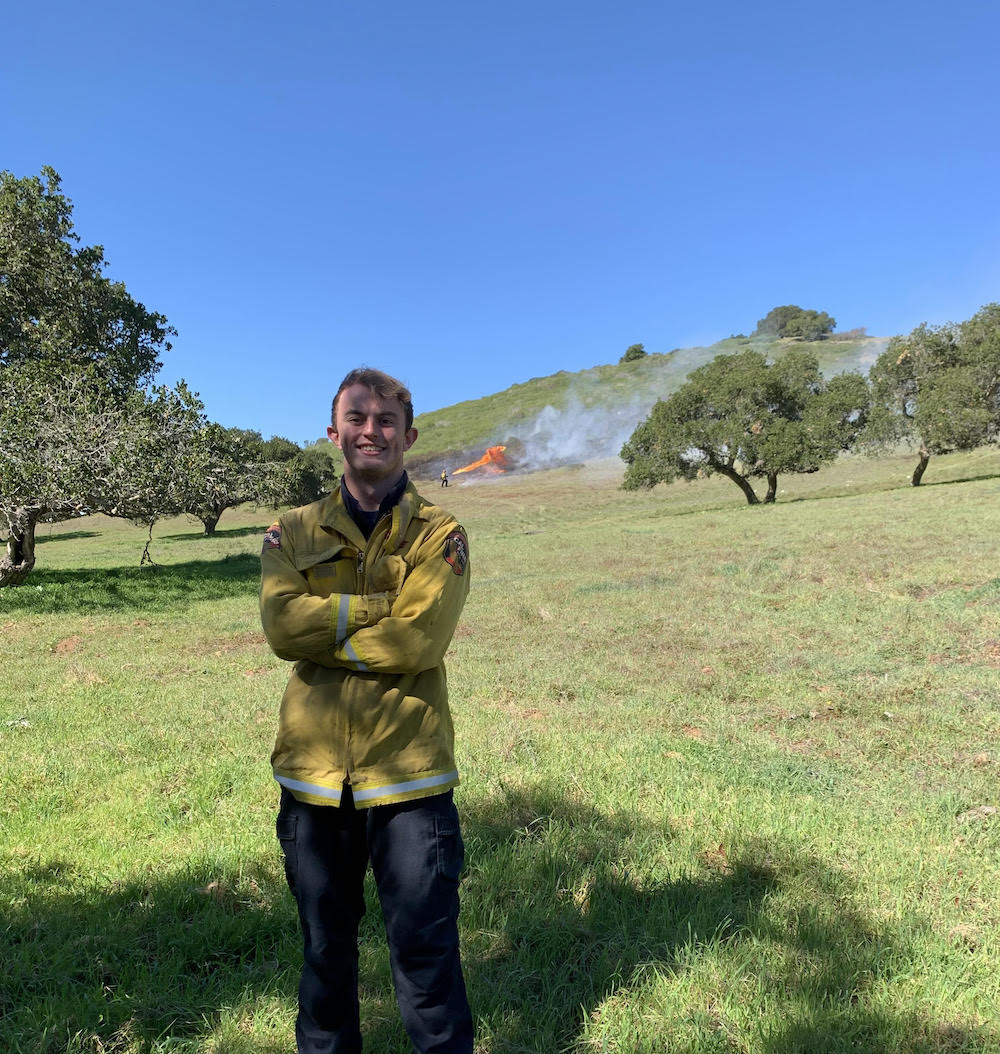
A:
450,847
285,828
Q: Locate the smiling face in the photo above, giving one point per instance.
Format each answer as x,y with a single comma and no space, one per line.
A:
371,433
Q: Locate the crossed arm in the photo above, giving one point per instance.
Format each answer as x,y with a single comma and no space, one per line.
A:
390,632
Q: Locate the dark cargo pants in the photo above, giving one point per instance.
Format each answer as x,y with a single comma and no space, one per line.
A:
416,854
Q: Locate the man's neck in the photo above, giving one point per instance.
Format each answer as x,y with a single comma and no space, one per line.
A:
370,495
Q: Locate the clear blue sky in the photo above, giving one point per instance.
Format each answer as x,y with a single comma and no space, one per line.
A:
469,194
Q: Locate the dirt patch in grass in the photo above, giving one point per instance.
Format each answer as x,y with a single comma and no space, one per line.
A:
80,675
515,710
257,671
248,640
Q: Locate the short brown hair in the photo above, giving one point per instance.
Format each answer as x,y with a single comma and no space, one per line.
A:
381,384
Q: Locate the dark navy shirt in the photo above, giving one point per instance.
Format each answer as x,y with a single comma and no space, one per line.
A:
366,520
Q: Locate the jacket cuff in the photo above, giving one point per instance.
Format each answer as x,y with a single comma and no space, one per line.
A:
379,607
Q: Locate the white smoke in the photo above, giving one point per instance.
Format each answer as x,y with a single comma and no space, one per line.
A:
576,433
602,409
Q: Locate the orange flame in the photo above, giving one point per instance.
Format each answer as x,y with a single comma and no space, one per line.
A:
493,461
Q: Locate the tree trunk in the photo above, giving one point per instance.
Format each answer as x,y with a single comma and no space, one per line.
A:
210,522
147,557
19,560
918,472
740,481
210,517
772,488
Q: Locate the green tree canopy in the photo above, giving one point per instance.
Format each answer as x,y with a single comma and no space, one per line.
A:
633,352
56,304
938,386
72,445
306,477
791,320
228,468
82,428
278,448
744,418
234,465
299,474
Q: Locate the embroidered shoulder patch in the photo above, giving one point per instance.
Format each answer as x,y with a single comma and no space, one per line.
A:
456,552
272,537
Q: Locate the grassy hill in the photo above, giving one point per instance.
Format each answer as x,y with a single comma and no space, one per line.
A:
572,417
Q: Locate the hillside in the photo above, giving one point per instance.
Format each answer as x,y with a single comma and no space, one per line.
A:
572,417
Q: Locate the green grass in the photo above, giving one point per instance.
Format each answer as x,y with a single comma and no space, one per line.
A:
727,776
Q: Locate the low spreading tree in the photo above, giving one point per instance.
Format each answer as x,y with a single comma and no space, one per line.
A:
745,418
82,426
299,475
790,320
304,478
73,446
229,469
235,465
938,386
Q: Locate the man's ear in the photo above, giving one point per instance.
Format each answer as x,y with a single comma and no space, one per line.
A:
334,436
409,439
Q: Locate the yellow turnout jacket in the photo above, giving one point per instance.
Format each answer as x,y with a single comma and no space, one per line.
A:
367,625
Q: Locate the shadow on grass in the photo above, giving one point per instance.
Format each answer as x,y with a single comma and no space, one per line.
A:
963,479
833,494
156,588
220,532
65,536
561,923
572,928
120,968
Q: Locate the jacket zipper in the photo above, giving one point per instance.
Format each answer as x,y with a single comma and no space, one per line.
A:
363,553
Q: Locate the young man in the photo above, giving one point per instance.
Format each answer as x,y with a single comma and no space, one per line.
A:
363,590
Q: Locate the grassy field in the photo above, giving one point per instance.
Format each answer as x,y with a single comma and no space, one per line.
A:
729,776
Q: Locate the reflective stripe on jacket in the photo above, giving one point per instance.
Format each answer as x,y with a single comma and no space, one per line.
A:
367,625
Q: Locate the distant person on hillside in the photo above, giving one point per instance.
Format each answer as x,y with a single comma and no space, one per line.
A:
363,591
444,477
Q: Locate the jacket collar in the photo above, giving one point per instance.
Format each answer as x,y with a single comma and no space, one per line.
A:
362,517
334,516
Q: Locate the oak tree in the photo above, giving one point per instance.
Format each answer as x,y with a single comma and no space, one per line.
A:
746,418
938,386
790,320
78,412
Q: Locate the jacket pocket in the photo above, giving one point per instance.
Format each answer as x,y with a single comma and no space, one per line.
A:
329,570
338,576
387,575
302,561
